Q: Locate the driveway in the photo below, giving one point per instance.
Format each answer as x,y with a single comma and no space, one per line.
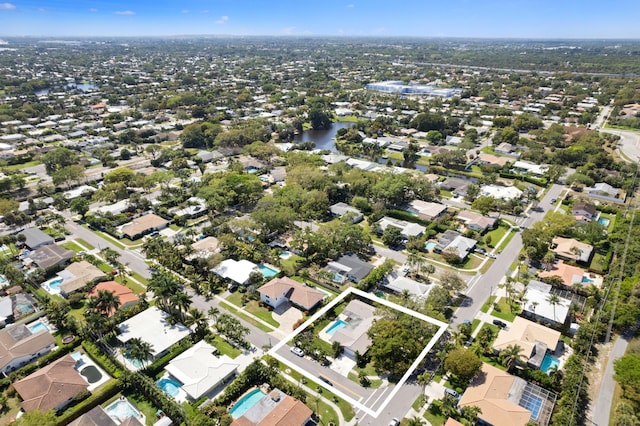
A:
287,316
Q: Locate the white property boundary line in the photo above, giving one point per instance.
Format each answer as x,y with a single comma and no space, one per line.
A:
442,327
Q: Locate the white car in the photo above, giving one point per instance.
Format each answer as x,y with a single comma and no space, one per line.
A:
296,350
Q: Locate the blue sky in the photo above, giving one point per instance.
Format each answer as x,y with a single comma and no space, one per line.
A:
424,18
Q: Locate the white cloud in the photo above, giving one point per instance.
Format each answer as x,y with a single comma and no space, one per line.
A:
205,11
93,9
7,6
288,30
124,12
351,5
223,20
184,11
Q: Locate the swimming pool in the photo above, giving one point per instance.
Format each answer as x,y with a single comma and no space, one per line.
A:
245,403
285,254
53,286
587,280
267,272
122,410
430,245
24,308
137,364
604,221
549,362
91,373
533,405
37,326
335,326
337,278
170,387
3,280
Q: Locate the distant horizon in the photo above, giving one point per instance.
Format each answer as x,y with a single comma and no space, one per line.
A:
464,19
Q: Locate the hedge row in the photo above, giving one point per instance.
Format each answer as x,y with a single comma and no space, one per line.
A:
108,391
536,181
111,366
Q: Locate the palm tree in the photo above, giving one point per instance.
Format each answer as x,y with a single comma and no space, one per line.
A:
429,269
213,313
164,286
106,302
510,355
415,421
554,300
485,335
139,350
110,255
196,317
180,303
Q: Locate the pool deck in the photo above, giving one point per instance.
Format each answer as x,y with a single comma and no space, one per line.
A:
82,361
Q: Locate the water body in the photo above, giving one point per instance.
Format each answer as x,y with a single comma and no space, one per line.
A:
324,139
83,87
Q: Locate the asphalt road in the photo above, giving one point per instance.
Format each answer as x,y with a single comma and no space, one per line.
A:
483,285
133,258
629,143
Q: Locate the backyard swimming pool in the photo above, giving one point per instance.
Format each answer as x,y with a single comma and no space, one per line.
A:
267,272
53,286
37,326
335,326
245,403
604,221
91,373
430,245
285,254
549,362
122,409
170,387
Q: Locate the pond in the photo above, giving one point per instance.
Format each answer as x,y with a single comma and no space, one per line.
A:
324,139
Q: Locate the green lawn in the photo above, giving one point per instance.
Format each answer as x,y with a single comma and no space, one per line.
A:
21,166
496,234
345,407
137,288
109,238
503,311
474,324
70,245
225,348
140,278
289,264
264,314
368,370
246,317
374,384
434,415
487,305
418,403
84,243
235,298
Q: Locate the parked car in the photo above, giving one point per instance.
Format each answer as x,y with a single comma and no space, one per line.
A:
499,323
452,393
296,350
324,379
394,422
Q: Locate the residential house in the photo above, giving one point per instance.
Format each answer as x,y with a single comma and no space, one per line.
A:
126,296
49,256
35,238
237,271
98,417
204,248
201,371
492,160
604,192
349,267
571,249
78,275
506,400
539,307
282,290
408,229
278,174
153,326
584,212
19,346
571,275
530,168
501,192
457,186
143,225
453,241
208,156
342,209
195,207
400,284
476,221
504,148
356,320
534,339
426,210
6,311
52,387
275,409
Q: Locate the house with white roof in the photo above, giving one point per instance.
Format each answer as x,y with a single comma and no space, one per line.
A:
237,271
531,168
408,229
539,308
401,284
426,210
153,327
201,371
501,192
